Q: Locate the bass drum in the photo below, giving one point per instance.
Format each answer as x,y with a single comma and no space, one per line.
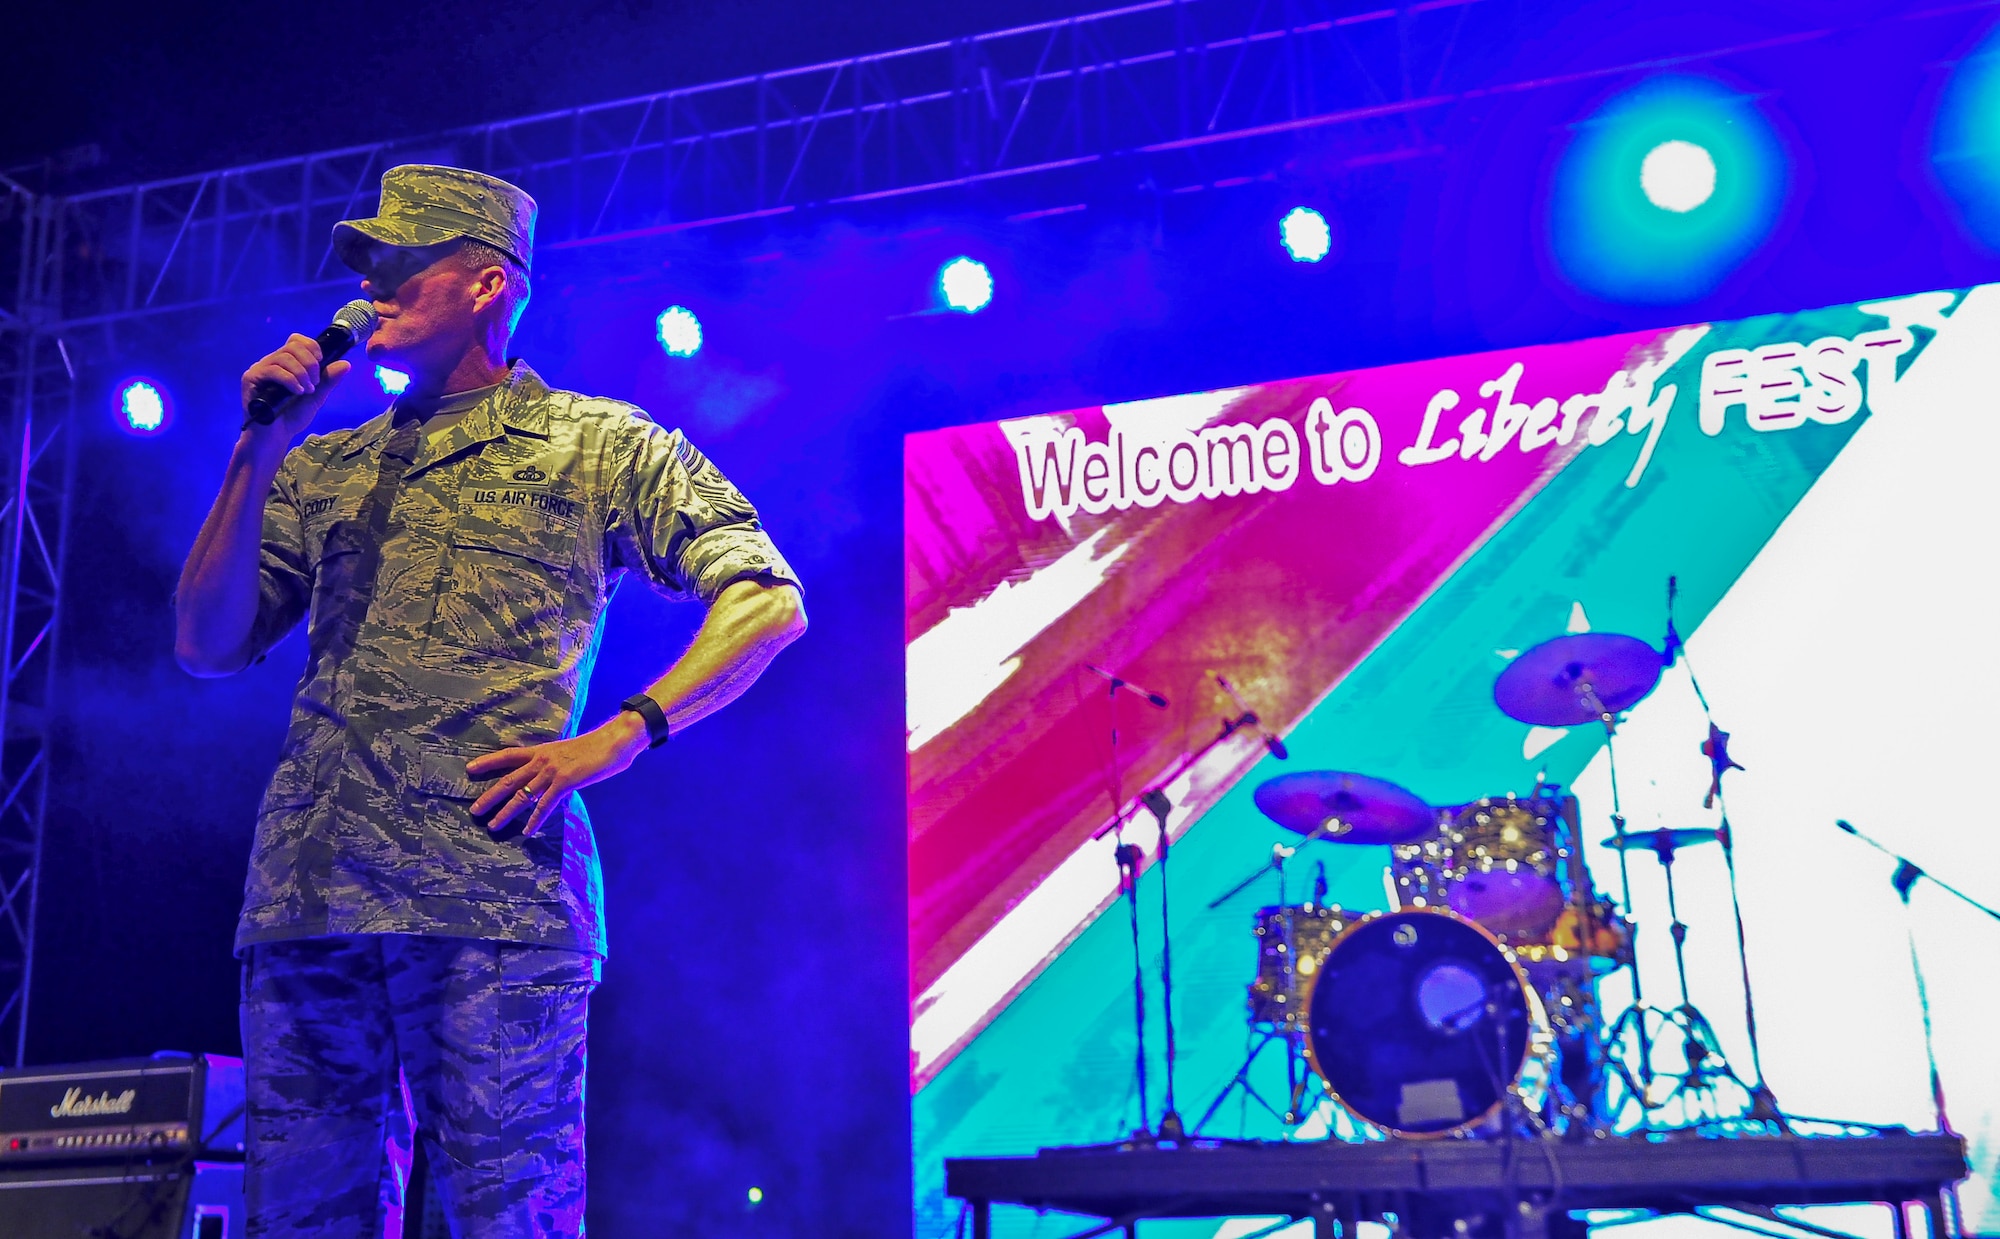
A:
1422,1024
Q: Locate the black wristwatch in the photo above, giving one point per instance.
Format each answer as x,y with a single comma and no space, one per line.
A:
657,732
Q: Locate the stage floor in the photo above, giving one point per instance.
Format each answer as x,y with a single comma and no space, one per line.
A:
1433,1182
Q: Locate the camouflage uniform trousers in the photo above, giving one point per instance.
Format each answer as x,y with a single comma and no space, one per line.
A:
348,1040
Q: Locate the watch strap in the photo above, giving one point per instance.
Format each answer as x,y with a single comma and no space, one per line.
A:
657,731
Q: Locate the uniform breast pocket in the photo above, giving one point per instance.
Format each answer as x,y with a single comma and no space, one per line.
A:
506,586
338,544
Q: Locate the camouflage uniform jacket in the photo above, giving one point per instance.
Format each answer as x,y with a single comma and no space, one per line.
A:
451,612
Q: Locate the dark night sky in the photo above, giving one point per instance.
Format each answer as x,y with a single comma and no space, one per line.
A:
170,89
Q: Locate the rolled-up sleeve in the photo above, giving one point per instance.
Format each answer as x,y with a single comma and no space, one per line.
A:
284,577
675,518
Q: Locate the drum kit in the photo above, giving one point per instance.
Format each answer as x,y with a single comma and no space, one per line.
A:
1471,1005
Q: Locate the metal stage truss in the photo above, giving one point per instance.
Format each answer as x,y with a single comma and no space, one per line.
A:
37,393
1177,81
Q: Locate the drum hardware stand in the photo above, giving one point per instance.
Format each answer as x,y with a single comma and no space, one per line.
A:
1297,1078
1706,1067
1583,1111
1610,723
1279,855
1763,1103
1698,1039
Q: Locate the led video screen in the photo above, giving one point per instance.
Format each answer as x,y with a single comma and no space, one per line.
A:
1356,559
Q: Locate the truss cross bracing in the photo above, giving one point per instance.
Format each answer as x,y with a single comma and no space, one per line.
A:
36,394
1191,85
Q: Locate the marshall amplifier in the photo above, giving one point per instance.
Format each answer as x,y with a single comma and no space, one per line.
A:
170,1105
181,1199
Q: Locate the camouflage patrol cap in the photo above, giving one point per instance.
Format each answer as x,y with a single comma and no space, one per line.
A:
425,204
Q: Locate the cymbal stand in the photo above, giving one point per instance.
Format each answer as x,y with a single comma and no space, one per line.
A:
1297,1077
1700,1048
1763,1103
1610,723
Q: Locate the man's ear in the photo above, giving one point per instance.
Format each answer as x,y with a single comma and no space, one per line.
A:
492,281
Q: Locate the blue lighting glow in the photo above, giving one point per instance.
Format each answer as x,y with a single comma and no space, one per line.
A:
1664,192
679,331
394,382
142,407
1965,144
967,285
1305,234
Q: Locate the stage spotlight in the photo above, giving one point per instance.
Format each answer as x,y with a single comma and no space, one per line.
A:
1677,176
1305,234
679,331
143,408
394,382
1965,140
967,285
1664,192
755,1195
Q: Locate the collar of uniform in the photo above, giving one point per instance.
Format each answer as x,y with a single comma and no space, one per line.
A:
521,403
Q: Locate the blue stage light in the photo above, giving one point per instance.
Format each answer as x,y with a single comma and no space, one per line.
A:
1677,176
967,285
1965,140
143,408
1305,234
1664,192
394,382
679,331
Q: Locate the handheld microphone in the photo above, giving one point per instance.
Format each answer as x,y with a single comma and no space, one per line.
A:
1271,742
355,322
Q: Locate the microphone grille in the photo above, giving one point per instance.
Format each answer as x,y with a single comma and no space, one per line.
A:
359,318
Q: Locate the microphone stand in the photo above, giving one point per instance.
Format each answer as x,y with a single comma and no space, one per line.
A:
1154,799
1129,857
1907,875
1904,883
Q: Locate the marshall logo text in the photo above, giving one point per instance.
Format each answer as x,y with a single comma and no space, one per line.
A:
77,1105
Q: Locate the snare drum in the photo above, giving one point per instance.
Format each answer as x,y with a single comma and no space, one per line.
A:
1421,1023
1291,941
1503,866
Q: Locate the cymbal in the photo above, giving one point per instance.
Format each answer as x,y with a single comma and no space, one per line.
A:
1672,839
1577,679
1345,808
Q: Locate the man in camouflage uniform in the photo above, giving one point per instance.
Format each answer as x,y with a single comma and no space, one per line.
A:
422,923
